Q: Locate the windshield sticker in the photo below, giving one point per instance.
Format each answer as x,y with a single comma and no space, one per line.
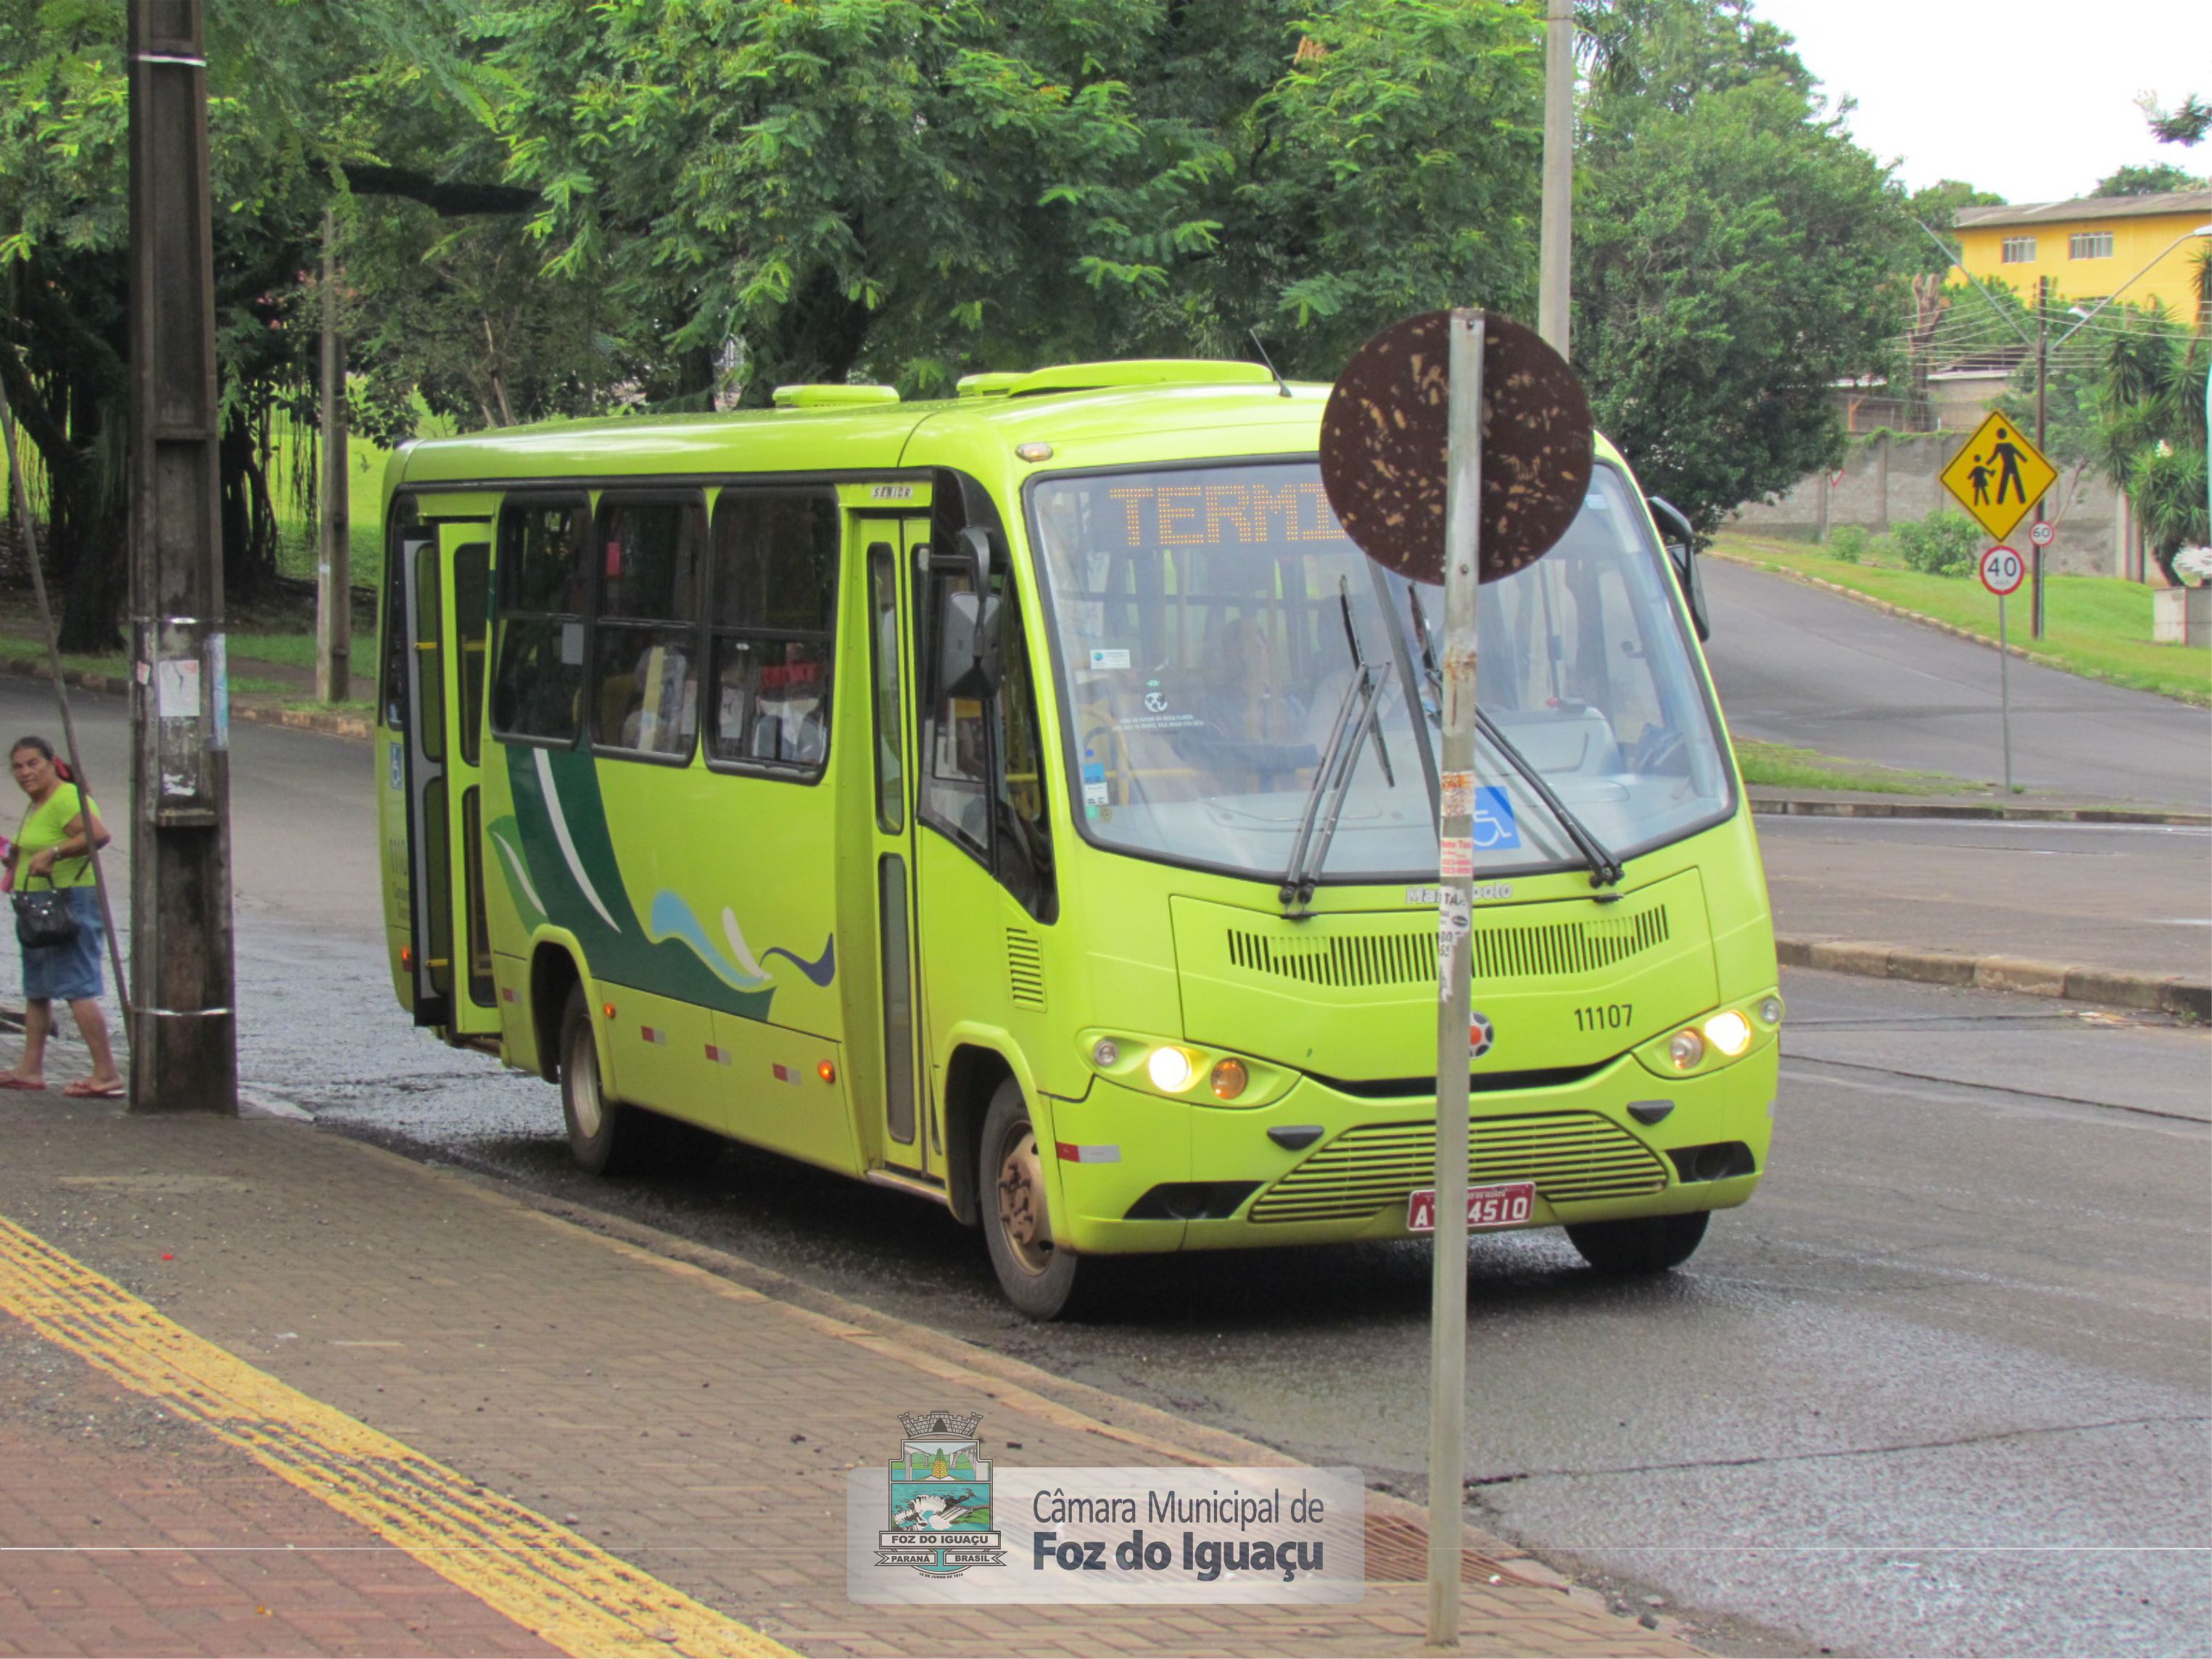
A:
1109,659
1493,819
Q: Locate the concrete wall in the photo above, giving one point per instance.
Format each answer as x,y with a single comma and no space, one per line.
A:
1892,477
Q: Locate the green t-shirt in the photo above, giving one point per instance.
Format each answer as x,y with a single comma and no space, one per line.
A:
47,825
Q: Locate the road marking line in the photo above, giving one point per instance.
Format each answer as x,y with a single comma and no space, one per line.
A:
549,1580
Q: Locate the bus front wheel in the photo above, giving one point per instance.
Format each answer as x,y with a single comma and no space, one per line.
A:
1037,1277
600,1130
1650,1245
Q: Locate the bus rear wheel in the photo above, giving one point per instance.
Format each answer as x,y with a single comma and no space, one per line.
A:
1038,1277
1648,1244
603,1134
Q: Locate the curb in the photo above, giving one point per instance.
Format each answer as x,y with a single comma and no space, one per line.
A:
305,719
1813,806
1952,629
2184,999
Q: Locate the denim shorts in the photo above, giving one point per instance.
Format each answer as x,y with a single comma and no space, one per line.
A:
71,972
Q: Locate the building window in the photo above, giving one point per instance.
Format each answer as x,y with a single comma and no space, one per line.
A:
2020,250
2090,245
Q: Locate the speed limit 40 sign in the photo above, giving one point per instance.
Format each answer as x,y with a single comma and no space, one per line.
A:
2003,570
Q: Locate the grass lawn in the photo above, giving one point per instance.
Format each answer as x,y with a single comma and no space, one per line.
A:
1784,767
2097,627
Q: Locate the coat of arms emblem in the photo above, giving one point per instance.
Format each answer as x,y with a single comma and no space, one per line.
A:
940,1499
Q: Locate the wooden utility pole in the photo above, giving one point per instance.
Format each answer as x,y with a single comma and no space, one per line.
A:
184,1031
334,568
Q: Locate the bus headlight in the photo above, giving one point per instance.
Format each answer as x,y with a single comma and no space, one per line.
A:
1687,1049
1770,1011
1106,1054
1229,1079
1730,1032
1170,1070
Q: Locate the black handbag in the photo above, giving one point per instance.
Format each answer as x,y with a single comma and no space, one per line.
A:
44,919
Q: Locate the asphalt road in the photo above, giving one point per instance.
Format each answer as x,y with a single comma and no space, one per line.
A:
1942,1388
1796,665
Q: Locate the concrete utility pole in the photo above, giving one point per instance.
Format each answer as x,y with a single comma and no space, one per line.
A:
2042,377
334,569
1556,236
183,1032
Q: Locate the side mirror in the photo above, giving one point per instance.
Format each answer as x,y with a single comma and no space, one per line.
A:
1682,554
968,626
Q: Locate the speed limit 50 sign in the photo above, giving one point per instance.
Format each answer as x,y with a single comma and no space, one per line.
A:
2003,570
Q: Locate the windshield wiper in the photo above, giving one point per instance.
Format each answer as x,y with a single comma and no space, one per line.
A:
1340,760
1605,869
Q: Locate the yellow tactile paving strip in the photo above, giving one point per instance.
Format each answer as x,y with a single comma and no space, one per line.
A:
549,1580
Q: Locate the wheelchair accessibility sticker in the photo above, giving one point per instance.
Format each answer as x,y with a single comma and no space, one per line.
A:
1493,819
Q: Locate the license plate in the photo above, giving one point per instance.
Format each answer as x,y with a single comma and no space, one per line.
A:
1507,1206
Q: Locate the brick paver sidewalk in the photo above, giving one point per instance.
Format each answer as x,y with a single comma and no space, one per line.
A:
679,1416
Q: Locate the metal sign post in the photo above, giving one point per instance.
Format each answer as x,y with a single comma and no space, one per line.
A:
2000,571
1455,926
1456,449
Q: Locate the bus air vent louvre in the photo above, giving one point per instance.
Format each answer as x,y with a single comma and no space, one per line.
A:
1540,951
1025,969
1573,1157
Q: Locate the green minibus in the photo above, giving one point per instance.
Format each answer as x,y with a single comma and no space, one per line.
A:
1028,800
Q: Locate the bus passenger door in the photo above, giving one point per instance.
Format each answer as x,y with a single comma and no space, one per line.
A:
467,548
447,592
912,1142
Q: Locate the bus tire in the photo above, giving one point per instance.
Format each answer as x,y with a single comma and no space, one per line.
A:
1038,1279
1647,1245
604,1134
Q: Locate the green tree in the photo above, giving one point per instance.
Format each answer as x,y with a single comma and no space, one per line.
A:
1736,256
2186,123
2136,179
912,188
297,94
2152,434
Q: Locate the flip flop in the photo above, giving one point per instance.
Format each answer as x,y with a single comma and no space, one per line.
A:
85,1089
9,1080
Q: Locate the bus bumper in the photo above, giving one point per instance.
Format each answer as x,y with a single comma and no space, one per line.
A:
1205,1177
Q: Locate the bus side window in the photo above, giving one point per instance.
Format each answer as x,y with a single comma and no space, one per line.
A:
405,525
544,594
772,629
651,560
983,761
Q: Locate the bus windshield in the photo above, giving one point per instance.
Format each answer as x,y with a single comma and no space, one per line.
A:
1209,621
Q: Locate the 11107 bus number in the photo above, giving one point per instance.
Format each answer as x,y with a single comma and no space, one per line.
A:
1605,1016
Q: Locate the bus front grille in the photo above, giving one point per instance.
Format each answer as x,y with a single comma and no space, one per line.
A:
1501,951
1573,1157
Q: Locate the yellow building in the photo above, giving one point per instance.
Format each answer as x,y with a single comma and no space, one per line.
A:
2132,248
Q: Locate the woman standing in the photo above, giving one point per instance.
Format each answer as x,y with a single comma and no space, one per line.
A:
61,831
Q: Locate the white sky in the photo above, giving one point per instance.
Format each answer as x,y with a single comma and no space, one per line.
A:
2032,100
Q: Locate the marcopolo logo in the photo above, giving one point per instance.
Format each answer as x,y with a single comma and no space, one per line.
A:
940,1499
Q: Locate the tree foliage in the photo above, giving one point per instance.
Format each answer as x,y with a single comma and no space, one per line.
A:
914,190
2153,179
1736,256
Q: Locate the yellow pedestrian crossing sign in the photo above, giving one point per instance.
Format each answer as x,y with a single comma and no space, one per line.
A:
1999,475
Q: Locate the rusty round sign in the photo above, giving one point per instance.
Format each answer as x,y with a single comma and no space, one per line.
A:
1383,439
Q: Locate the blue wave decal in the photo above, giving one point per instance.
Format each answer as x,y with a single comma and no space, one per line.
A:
672,918
820,971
